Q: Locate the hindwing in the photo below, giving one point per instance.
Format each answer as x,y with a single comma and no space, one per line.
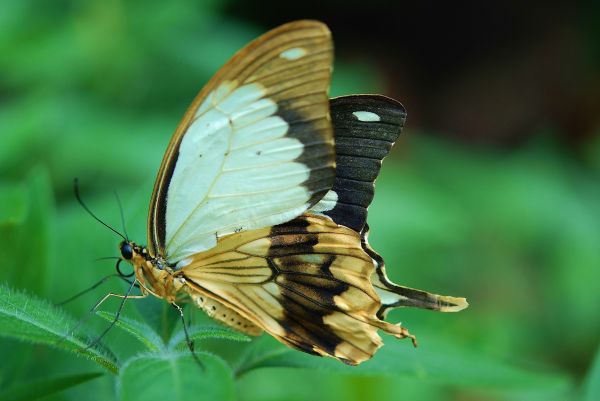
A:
306,282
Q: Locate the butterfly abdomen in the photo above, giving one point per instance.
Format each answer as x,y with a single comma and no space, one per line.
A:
223,314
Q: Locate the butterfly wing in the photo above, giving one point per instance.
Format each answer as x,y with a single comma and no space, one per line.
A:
314,283
305,282
366,127
254,149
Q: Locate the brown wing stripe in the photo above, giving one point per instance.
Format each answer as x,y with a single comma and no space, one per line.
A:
304,324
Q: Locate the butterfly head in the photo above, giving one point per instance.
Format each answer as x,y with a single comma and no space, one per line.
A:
127,250
134,254
130,251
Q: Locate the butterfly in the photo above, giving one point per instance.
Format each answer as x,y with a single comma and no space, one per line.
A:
258,214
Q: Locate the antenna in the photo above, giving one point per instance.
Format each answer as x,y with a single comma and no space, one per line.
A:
78,196
122,215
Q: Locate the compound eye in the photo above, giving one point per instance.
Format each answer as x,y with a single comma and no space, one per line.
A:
126,251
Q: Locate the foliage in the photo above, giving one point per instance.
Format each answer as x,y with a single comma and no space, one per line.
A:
41,388
29,319
94,90
591,388
165,371
175,377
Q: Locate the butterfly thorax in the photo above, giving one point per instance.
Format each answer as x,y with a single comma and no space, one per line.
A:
157,277
154,275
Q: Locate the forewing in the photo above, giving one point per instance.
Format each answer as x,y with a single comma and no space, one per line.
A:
306,282
254,149
365,127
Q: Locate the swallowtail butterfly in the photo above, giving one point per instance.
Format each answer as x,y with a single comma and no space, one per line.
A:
258,214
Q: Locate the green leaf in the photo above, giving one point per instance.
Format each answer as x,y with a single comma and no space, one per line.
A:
264,352
158,314
177,342
138,329
434,361
30,319
175,377
33,390
591,387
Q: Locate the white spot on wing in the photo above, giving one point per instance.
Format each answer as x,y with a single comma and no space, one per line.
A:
293,54
327,203
366,116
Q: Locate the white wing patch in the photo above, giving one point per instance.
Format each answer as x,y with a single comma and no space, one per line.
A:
366,116
235,171
293,54
387,297
326,203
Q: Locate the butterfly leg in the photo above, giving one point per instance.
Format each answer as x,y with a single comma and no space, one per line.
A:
95,308
190,324
119,310
188,341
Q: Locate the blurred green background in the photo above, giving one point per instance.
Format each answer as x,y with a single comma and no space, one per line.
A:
492,192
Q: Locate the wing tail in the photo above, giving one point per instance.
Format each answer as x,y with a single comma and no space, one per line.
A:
396,296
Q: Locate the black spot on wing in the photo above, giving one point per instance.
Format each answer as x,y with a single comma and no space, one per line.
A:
360,147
